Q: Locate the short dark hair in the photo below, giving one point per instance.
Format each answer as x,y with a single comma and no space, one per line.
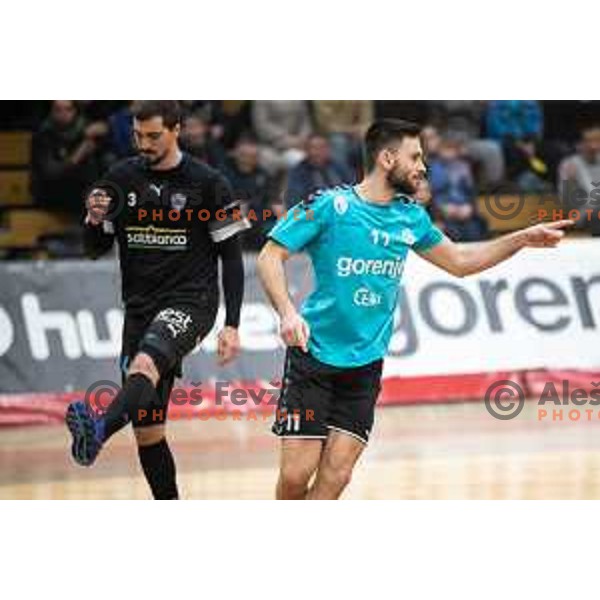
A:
382,133
169,110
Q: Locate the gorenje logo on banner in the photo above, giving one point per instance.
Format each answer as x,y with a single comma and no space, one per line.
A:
520,316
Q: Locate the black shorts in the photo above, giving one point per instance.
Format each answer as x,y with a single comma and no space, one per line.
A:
167,334
316,398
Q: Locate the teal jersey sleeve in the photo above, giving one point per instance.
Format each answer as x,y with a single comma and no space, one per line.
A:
427,234
303,223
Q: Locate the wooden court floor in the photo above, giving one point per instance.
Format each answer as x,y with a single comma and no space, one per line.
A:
454,451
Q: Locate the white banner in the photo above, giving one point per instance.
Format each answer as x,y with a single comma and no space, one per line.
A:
60,322
540,309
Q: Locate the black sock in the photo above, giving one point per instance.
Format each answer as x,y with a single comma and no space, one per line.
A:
159,468
137,391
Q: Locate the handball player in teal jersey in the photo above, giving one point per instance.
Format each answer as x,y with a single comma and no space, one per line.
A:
357,238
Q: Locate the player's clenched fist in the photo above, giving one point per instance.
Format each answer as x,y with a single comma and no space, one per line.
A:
294,331
97,203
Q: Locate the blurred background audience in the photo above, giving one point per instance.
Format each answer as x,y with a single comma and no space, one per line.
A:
120,134
277,152
345,123
64,157
579,174
196,139
282,128
317,171
453,191
255,187
462,119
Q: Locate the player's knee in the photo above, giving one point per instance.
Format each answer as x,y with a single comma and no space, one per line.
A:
294,477
336,474
160,350
148,436
144,364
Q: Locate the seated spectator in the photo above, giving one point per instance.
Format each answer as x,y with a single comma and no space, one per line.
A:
253,186
282,128
462,119
512,123
317,171
513,120
196,139
345,122
235,120
424,196
530,166
454,193
120,133
431,139
531,161
209,110
228,119
579,176
64,158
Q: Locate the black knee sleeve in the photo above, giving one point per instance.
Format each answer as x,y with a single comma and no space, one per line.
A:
160,348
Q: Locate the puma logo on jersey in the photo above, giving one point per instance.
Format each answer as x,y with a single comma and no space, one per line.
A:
157,189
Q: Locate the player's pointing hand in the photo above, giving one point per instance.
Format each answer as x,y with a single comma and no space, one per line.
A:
546,235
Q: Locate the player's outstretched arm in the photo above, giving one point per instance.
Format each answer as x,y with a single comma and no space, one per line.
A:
467,259
270,265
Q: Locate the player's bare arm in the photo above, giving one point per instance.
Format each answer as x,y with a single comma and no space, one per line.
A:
293,328
467,259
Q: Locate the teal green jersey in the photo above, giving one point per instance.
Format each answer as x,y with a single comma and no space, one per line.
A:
358,250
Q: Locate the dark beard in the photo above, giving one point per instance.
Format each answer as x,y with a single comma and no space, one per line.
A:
151,161
400,185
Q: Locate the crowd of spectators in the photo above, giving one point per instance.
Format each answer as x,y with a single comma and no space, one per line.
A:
276,152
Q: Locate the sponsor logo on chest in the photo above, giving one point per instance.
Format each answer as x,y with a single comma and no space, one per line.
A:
157,238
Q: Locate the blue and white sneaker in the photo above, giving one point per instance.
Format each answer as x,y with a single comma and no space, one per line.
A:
87,433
